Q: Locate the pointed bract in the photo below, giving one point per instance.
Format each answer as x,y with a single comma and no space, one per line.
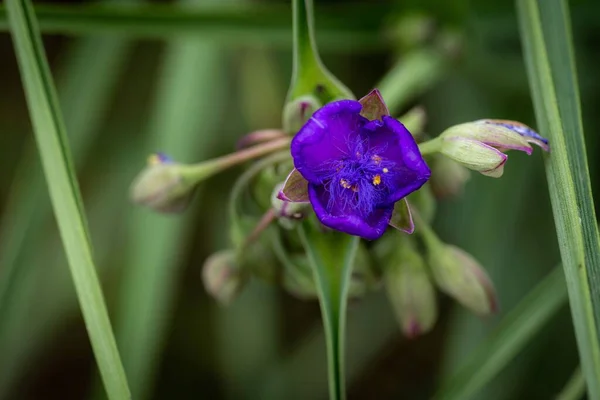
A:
402,218
373,106
295,188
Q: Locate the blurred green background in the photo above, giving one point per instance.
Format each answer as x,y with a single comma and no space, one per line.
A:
192,95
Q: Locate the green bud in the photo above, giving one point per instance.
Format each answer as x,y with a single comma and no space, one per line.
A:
475,155
288,213
162,187
222,277
448,178
460,276
411,291
297,112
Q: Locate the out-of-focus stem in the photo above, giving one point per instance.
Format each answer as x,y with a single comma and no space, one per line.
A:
197,172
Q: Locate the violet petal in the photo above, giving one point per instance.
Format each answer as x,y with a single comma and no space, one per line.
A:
410,171
325,137
343,217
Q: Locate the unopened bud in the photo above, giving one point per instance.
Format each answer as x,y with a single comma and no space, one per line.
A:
448,178
161,186
288,213
460,276
479,145
297,112
475,155
494,135
222,276
411,291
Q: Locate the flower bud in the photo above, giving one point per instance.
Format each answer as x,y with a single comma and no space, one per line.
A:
222,277
479,145
448,178
411,291
288,213
475,155
460,276
297,112
494,135
161,186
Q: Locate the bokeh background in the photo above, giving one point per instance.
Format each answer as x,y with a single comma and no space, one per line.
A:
127,93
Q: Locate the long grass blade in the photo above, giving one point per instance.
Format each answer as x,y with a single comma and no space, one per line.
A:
546,37
64,193
516,330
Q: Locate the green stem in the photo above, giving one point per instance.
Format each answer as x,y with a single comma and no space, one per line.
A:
309,75
332,256
430,147
198,172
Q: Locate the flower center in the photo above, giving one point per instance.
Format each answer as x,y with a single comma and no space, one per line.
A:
360,180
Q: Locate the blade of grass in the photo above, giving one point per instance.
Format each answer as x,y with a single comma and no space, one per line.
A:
64,193
182,125
344,28
546,37
510,337
92,67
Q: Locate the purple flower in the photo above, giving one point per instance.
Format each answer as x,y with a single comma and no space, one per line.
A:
357,169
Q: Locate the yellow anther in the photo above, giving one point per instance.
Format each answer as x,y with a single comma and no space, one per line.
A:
376,159
345,184
385,170
376,179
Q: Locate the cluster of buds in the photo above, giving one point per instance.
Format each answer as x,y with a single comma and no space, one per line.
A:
359,182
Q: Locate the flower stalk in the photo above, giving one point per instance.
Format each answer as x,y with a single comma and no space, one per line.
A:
198,172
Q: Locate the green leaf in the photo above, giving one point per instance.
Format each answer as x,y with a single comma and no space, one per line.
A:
515,331
64,193
546,37
331,256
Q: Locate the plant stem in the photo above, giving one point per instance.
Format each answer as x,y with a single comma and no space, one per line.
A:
197,172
